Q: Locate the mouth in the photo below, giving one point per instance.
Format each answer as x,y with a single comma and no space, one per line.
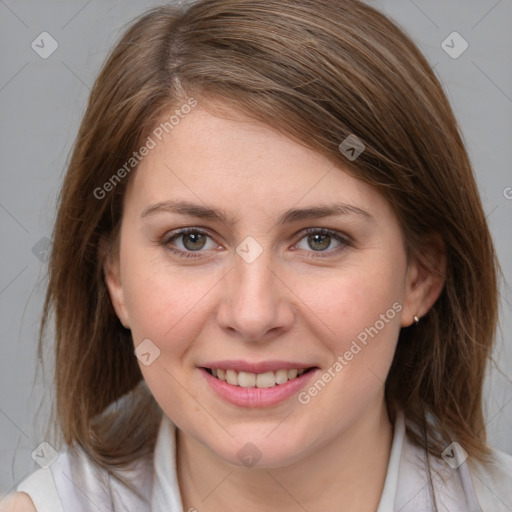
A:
267,385
263,380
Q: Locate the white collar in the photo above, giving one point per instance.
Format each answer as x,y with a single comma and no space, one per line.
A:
166,494
387,499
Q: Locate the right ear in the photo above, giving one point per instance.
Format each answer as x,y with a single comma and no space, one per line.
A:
112,274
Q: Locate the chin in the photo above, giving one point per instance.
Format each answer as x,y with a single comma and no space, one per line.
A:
261,452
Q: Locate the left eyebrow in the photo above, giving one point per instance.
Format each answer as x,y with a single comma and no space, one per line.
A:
292,215
318,212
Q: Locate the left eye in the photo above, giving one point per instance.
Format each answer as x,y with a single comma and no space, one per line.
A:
319,240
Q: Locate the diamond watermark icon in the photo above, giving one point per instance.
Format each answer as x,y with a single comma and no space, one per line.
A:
352,147
147,352
41,249
249,250
454,455
45,455
454,45
44,45
249,455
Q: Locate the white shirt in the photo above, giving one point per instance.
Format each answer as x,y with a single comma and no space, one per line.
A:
73,484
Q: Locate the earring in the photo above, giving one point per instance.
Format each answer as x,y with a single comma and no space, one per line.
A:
416,320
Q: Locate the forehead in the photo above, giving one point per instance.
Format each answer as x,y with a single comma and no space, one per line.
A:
243,165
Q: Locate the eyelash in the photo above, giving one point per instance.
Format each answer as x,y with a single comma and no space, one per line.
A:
309,231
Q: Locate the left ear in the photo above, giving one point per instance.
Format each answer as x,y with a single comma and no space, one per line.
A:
425,279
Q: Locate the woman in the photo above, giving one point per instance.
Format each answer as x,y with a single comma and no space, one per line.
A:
273,283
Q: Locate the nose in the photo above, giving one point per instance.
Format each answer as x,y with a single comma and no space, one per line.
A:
256,303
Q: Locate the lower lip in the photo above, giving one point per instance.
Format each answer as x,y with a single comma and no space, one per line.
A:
257,397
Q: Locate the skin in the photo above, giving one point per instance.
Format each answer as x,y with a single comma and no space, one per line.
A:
291,303
17,502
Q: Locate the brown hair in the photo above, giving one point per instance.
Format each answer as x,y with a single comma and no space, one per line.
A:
318,71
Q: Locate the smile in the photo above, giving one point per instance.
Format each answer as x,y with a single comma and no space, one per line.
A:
256,380
261,387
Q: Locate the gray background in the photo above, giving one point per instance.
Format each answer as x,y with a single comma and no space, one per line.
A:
41,104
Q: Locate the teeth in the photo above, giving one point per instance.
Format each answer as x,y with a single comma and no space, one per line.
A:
281,376
292,374
260,380
232,377
246,380
265,380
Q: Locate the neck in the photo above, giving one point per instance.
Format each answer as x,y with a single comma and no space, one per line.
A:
347,473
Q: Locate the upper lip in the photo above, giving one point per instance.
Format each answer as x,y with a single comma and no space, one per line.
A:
256,367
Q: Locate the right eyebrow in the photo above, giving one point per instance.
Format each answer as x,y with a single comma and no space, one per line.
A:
292,215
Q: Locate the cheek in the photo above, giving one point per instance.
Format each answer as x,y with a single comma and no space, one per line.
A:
348,303
359,312
359,325
165,302
168,305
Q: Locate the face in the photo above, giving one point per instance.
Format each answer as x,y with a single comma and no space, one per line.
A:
246,256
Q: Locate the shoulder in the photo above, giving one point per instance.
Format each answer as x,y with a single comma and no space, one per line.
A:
17,502
73,482
456,484
492,481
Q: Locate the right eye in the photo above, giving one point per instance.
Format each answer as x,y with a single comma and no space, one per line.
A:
191,240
